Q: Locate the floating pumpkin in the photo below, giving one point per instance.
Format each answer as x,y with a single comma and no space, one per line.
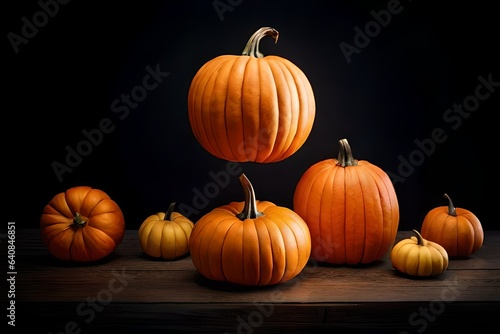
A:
416,256
249,107
82,224
165,234
252,243
350,207
458,230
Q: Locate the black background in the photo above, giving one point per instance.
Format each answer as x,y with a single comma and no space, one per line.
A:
394,91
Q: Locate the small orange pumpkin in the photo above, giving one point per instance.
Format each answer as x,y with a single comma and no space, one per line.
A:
249,107
351,209
165,234
253,243
82,224
458,230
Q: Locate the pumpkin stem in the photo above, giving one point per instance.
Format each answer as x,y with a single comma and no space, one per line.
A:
250,209
78,220
169,211
451,208
345,157
252,47
420,239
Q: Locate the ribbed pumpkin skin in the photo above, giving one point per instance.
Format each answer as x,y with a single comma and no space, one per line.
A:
352,211
416,256
165,237
266,250
243,108
461,235
102,233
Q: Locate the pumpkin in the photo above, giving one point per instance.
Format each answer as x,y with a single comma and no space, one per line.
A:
251,243
416,256
165,234
458,230
350,207
82,224
249,107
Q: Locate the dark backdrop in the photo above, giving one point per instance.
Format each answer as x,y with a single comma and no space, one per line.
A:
392,95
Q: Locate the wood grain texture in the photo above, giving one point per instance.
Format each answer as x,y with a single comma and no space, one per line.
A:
129,292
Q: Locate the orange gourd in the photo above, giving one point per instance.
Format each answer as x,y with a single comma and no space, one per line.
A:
458,230
82,224
165,235
252,243
350,207
249,107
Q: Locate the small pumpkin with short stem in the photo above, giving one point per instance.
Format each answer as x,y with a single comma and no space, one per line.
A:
165,235
458,230
82,224
416,256
251,243
251,107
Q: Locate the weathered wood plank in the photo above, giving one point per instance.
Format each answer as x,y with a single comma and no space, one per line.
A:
190,287
136,278
263,318
129,292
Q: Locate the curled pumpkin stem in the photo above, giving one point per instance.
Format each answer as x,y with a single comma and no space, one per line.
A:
250,209
252,47
452,211
345,157
420,240
168,214
78,220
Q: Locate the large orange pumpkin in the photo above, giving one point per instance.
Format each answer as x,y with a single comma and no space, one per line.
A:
252,243
350,207
82,224
458,230
249,107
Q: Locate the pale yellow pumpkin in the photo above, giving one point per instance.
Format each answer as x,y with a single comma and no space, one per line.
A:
416,256
165,234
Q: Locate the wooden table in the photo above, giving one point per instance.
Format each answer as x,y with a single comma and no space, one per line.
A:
130,293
